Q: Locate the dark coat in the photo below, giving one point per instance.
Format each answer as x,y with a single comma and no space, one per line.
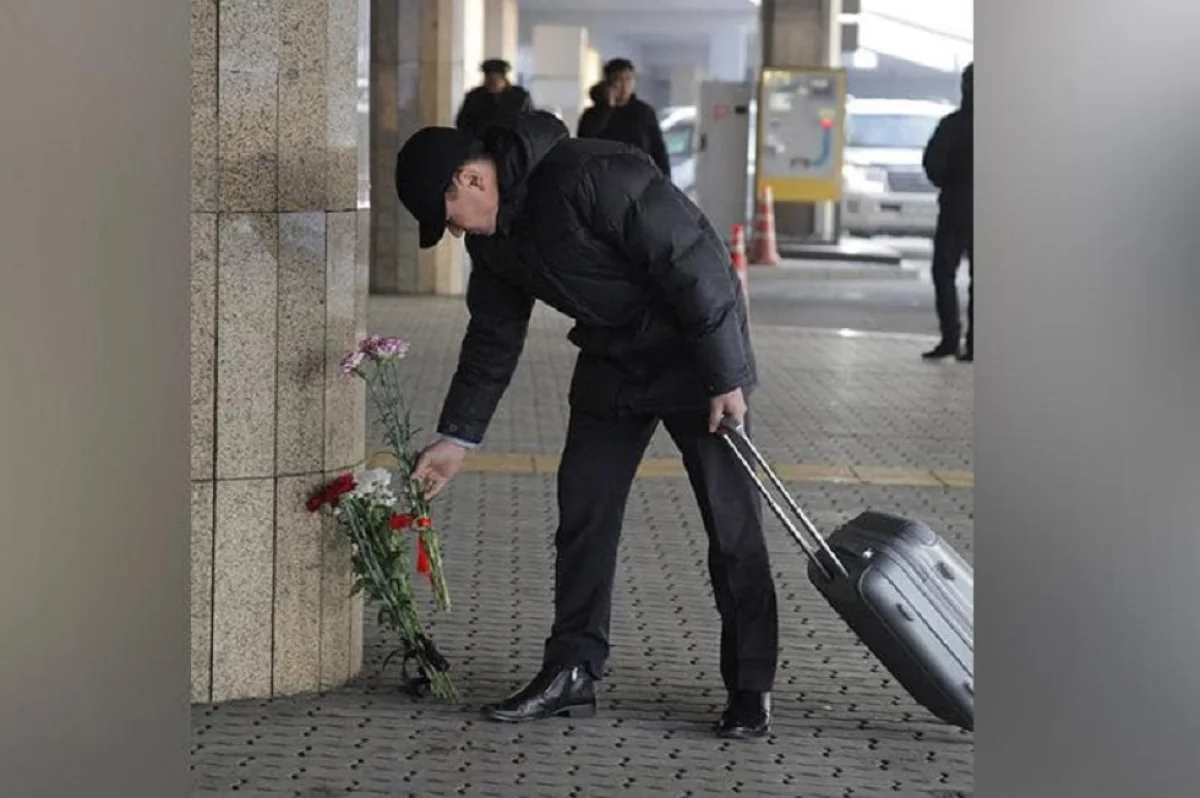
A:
481,108
634,123
593,118
949,160
594,230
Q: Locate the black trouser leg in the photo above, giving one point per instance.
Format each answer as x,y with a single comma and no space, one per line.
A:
947,254
599,461
738,563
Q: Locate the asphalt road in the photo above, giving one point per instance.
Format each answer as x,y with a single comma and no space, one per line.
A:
793,298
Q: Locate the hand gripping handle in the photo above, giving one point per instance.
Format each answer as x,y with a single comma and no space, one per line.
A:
730,430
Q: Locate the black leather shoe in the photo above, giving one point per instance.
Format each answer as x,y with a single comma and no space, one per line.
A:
943,350
967,356
747,717
554,692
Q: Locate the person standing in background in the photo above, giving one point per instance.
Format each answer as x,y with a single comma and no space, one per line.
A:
949,163
592,120
619,115
496,100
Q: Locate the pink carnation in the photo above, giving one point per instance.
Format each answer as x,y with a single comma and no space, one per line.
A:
368,344
351,362
384,348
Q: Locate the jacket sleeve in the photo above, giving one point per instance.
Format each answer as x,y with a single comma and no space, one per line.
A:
462,120
628,204
936,158
467,119
491,348
658,145
593,120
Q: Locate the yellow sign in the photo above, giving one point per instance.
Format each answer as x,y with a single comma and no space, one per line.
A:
801,134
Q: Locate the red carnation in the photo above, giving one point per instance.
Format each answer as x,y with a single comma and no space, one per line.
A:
331,493
343,484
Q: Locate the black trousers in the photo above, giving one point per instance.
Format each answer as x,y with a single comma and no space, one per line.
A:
598,465
953,238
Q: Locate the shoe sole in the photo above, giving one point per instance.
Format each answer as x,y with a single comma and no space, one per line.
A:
742,734
579,711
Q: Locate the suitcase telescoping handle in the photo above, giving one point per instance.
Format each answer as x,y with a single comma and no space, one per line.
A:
731,429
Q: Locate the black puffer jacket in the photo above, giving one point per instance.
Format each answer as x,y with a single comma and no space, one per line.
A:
594,230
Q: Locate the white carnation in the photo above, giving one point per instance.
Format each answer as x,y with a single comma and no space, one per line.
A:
373,485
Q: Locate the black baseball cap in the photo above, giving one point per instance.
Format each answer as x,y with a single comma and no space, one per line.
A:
425,169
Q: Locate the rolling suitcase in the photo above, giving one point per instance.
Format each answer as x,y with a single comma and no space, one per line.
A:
899,586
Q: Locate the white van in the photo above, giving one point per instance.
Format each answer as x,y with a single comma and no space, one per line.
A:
884,189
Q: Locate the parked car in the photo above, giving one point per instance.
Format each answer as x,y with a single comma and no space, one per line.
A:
884,188
678,125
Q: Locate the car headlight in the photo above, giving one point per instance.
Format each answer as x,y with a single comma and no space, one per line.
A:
865,179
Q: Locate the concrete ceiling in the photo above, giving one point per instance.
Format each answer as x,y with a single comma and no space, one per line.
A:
668,32
627,6
936,33
653,21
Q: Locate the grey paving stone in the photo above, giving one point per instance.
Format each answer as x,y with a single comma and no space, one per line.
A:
842,726
824,398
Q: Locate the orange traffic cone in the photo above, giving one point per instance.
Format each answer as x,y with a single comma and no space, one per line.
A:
739,263
766,253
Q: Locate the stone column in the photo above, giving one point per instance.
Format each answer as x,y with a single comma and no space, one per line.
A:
801,33
278,294
560,63
424,56
593,72
501,31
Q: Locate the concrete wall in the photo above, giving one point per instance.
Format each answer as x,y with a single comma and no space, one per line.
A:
94,397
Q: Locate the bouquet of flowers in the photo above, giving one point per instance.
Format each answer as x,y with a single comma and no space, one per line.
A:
383,527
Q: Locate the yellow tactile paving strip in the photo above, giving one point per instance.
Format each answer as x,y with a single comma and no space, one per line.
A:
484,463
661,468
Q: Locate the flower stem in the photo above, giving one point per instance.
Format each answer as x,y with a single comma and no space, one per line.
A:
398,433
394,594
382,555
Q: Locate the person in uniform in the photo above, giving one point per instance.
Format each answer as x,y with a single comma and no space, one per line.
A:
495,100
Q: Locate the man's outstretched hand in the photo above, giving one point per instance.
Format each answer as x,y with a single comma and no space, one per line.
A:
437,465
732,404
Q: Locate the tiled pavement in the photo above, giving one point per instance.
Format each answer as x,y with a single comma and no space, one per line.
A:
842,728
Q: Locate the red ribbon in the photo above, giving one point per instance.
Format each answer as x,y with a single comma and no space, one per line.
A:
422,557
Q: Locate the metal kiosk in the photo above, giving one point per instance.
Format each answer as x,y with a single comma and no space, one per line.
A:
801,136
